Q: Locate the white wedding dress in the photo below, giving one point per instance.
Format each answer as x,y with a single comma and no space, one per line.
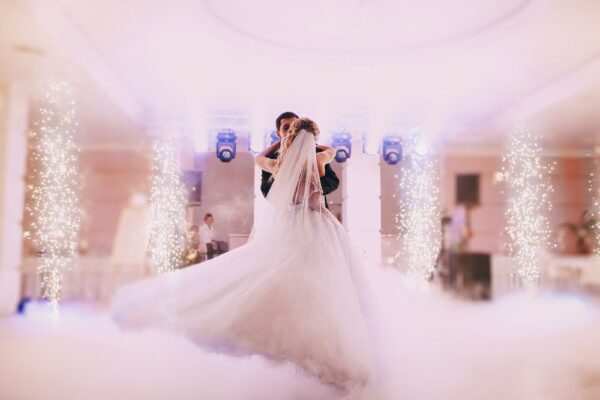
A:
295,292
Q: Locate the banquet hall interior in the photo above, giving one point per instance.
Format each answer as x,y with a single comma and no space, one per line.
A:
467,147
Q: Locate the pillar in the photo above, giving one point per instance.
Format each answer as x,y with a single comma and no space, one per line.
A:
362,202
13,152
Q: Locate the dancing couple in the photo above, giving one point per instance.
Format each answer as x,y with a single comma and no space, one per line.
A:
295,292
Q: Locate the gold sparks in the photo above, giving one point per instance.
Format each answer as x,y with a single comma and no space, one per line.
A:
55,194
528,189
594,191
167,198
420,213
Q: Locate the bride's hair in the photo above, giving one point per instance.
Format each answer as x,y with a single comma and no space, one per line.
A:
299,125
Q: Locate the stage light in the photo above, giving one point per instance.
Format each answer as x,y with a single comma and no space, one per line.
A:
392,149
274,137
226,146
342,145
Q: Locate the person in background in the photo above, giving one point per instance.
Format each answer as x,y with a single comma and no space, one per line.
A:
194,236
459,231
192,253
207,237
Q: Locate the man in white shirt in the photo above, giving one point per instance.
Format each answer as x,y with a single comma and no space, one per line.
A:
459,231
207,236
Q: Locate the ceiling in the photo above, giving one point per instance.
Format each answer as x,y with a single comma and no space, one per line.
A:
464,71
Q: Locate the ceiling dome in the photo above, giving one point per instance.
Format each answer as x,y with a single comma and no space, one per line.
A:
359,26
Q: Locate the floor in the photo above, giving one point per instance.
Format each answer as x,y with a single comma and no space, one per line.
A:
524,346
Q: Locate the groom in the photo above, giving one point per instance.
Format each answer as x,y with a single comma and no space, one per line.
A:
329,182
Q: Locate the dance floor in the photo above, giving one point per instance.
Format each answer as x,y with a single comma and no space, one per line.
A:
543,346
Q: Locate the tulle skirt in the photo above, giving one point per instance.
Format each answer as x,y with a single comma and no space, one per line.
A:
296,292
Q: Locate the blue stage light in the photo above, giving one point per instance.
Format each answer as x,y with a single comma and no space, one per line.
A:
226,147
342,144
392,149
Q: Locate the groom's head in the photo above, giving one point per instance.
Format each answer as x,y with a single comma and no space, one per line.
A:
284,122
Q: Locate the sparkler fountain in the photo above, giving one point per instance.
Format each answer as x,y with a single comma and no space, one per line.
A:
167,199
55,191
528,190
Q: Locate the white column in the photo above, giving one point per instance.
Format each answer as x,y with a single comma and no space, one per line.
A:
13,152
362,202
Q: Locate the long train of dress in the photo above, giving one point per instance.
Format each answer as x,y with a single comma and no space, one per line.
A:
297,292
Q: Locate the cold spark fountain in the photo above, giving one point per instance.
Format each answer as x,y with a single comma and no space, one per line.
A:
167,200
420,212
55,189
528,188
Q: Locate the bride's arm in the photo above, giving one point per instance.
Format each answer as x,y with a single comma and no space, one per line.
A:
264,162
324,157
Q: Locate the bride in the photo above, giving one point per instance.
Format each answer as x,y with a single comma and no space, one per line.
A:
295,292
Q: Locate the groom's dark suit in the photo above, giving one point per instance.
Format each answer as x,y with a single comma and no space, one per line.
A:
329,181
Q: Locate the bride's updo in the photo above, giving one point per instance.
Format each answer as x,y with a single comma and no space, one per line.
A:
299,125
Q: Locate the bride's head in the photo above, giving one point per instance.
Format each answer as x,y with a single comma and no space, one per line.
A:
298,126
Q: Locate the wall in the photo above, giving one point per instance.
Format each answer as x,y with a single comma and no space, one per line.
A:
109,176
571,196
13,130
227,193
569,199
